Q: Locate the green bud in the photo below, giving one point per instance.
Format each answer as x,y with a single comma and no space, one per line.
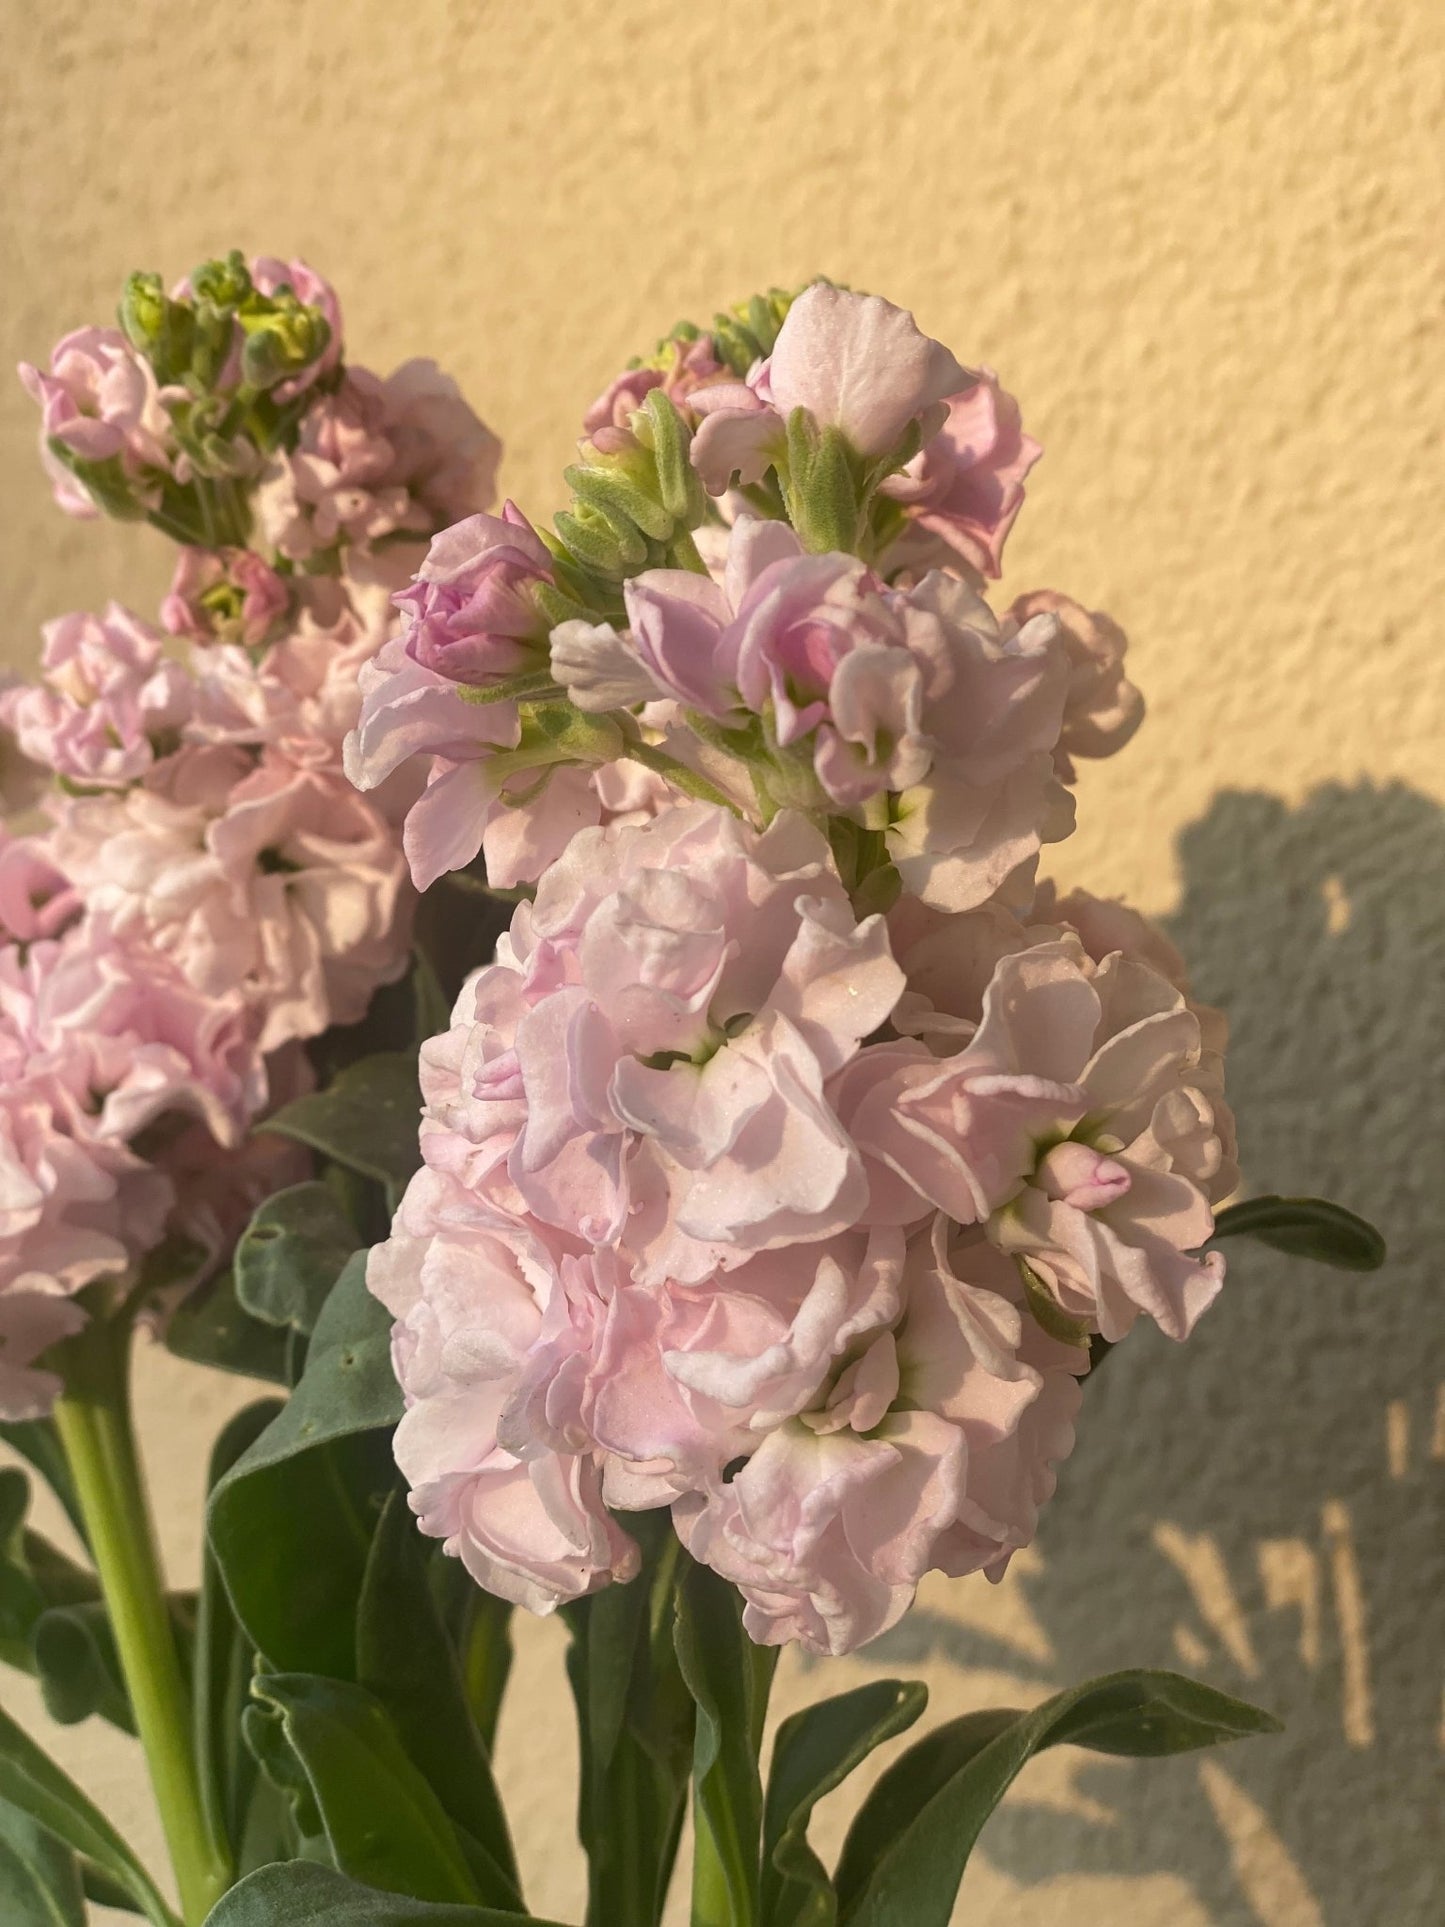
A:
670,441
598,544
157,327
617,496
283,342
823,493
225,284
211,335
105,482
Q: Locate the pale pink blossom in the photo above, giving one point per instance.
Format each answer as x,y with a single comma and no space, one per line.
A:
854,362
377,459
105,700
992,703
1083,1125
99,1038
1103,708
469,1299
644,1064
470,615
832,1522
686,367
965,487
301,695
281,881
224,595
36,901
100,400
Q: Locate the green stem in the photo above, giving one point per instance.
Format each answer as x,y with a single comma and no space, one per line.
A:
94,1423
684,554
712,1904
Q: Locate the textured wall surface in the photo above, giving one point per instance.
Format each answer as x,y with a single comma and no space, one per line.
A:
1200,240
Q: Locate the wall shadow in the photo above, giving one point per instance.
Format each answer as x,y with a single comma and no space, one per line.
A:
1262,1507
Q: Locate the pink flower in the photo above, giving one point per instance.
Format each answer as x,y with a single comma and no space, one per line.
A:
1103,708
992,702
224,595
282,881
300,696
36,901
965,487
469,1300
854,362
101,402
690,365
99,1038
376,458
107,697
841,1510
1082,1125
645,1061
471,616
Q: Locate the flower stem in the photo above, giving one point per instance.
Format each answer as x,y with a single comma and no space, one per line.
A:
94,1423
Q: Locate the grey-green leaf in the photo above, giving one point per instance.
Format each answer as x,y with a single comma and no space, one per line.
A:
291,1254
367,1118
383,1823
1306,1228
39,1877
814,1752
33,1783
405,1659
907,1849
298,1895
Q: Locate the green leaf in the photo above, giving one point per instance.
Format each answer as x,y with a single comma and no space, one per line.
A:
407,1662
221,1670
291,1254
298,1895
636,1722
367,1119
906,1851
728,1677
39,1878
383,1823
211,1327
291,1523
78,1667
1306,1228
36,1440
814,1752
105,1892
33,1783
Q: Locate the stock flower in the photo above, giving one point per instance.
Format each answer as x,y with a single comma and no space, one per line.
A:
99,1037
281,880
399,457
226,595
910,1457
644,1063
965,486
1102,709
469,615
100,401
468,1298
853,362
105,698
1083,1126
35,899
688,366
992,702
270,275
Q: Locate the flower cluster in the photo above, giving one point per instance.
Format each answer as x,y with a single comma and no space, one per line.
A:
207,892
797,1144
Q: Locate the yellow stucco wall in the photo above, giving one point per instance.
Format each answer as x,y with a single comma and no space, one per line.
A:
1200,239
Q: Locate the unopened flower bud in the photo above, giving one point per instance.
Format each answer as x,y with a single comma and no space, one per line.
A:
224,283
282,342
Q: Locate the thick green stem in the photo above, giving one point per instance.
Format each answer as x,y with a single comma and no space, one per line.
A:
712,1903
94,1423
